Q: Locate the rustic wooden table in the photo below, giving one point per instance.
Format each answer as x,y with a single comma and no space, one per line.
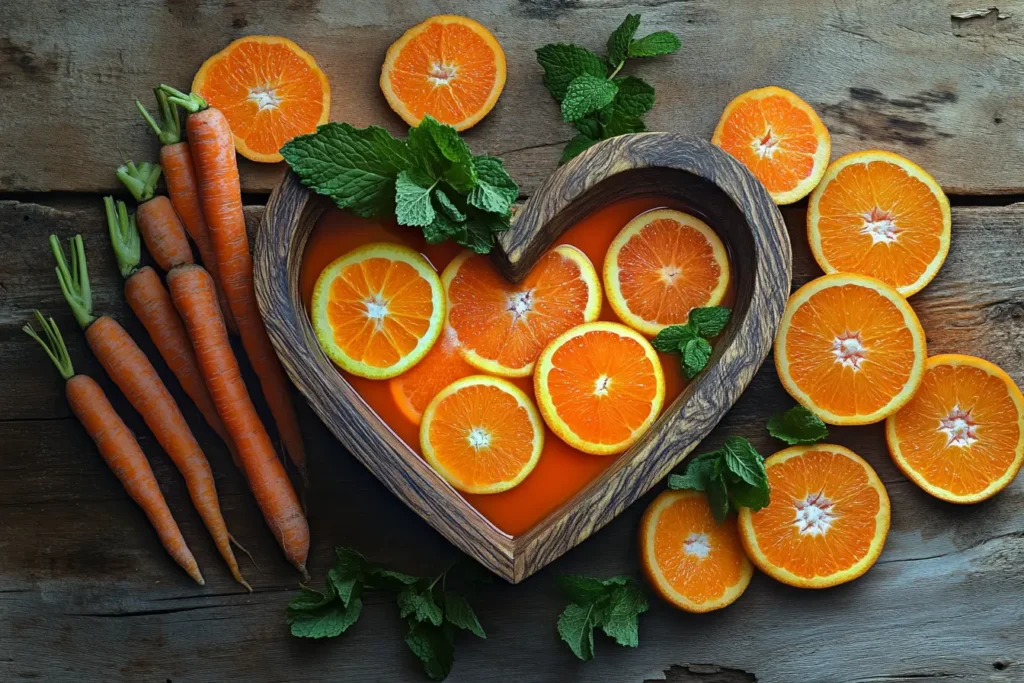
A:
87,594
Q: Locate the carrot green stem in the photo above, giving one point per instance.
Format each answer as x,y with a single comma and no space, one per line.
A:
74,281
124,237
190,102
140,180
53,345
169,128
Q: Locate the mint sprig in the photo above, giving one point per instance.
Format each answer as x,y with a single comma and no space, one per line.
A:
692,340
732,477
613,605
431,180
797,425
593,97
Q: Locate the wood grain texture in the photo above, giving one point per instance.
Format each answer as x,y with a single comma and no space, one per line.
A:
86,593
707,181
904,76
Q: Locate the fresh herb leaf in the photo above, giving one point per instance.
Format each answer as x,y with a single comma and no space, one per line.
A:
742,494
327,621
797,425
459,614
386,579
618,43
563,63
659,43
718,496
576,627
613,605
581,589
744,461
418,603
448,207
699,472
412,198
690,339
732,477
577,145
710,320
620,620
696,354
587,94
434,647
673,338
634,98
309,600
495,191
438,150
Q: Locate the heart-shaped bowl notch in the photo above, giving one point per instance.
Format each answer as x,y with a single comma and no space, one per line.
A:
693,174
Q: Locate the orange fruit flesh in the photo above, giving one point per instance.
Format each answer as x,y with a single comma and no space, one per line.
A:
824,347
877,220
415,388
562,471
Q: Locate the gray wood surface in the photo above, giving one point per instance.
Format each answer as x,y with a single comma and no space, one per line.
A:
906,76
87,594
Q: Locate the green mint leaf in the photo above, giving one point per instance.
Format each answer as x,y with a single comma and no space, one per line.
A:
698,474
589,127
412,199
562,63
309,600
433,646
621,125
355,167
448,207
327,621
742,494
458,613
437,149
718,497
495,191
387,579
710,320
797,426
443,228
479,230
696,354
660,43
620,619
634,98
743,460
576,628
419,604
344,586
673,338
587,94
577,145
583,589
618,43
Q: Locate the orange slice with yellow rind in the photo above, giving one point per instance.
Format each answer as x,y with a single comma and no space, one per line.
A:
779,137
961,438
879,214
449,67
850,349
599,387
378,310
482,434
692,561
270,90
502,327
661,265
827,521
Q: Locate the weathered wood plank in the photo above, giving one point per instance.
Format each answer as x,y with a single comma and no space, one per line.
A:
905,76
86,593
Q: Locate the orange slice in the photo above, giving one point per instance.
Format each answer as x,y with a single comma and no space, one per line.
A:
827,521
449,67
378,309
878,214
503,327
599,387
270,90
779,137
961,438
482,434
414,389
661,265
850,349
692,561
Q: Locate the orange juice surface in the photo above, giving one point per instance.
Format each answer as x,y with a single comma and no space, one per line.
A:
562,471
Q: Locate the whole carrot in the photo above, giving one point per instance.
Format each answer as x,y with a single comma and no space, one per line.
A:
116,444
194,295
213,151
155,216
135,376
183,189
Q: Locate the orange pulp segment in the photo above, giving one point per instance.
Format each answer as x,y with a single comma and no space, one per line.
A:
779,137
827,520
482,434
449,67
378,310
692,561
878,214
662,264
961,438
269,89
850,349
502,327
413,390
599,387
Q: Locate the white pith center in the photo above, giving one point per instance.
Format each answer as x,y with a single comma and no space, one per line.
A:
376,309
881,226
960,429
479,438
265,97
601,385
767,145
669,274
520,303
814,514
697,545
441,73
848,348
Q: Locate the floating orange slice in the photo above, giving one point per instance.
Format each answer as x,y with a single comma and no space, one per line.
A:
878,214
827,521
482,434
378,309
961,438
779,137
850,349
599,387
269,89
417,387
692,561
449,67
503,327
661,265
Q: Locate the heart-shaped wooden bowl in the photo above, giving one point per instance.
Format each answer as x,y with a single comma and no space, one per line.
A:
710,183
